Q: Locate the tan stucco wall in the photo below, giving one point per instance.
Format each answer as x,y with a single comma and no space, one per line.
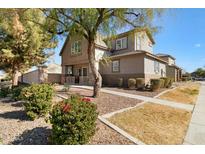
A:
145,41
54,78
149,66
31,77
172,72
132,66
149,69
169,60
131,44
128,65
68,59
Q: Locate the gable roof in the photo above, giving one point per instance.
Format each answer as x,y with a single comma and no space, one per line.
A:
138,29
165,55
99,42
139,52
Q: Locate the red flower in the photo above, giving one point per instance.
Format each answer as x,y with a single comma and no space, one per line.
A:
85,99
66,108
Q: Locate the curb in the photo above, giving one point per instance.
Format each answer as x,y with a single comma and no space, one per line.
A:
120,131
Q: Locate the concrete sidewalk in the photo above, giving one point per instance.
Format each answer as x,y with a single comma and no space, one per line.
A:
196,130
188,107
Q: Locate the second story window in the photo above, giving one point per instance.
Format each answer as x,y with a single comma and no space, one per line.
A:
76,48
121,43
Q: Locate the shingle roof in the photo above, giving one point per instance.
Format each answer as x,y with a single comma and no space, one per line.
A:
164,55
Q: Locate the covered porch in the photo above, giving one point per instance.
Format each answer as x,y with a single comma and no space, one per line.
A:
79,74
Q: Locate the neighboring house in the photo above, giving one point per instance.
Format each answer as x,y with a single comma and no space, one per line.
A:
43,74
173,70
130,53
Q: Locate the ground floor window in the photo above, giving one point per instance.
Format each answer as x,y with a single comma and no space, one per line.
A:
85,71
116,66
69,70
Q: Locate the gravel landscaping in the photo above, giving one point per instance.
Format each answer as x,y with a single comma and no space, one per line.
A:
107,103
105,135
16,128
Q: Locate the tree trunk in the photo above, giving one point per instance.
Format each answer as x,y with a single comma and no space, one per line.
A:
15,76
96,74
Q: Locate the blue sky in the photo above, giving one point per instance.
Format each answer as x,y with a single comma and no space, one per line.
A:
183,36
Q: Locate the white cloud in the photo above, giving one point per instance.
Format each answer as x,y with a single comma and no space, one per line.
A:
198,45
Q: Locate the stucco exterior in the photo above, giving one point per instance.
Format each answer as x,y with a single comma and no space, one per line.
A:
47,74
173,71
132,66
170,60
136,60
30,77
145,43
149,70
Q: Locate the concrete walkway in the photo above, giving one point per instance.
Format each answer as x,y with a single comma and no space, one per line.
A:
143,98
196,130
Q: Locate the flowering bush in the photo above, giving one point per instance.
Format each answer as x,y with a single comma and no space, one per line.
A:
73,121
37,99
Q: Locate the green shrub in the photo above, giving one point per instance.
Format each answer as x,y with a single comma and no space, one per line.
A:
4,92
38,99
73,121
162,81
155,84
131,83
140,83
166,81
16,91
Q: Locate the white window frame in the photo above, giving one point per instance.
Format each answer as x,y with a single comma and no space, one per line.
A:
86,71
76,48
114,67
121,45
156,67
71,70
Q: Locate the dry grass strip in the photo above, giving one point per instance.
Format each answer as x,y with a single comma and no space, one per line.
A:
154,124
185,94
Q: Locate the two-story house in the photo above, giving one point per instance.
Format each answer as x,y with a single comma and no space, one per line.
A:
130,53
173,71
